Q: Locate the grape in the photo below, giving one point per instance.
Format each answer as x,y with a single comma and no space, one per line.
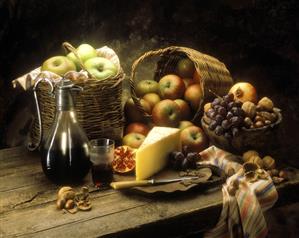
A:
228,135
235,111
185,164
223,104
229,97
193,156
219,130
210,113
213,125
238,103
219,119
235,131
230,105
216,107
225,124
215,102
239,112
176,158
236,121
221,111
229,115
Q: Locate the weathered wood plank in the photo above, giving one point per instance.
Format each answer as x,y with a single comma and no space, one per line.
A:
111,214
114,214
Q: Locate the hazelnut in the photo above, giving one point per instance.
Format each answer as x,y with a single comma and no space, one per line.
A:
246,155
267,116
274,116
267,122
248,122
283,174
277,180
273,172
258,124
63,190
269,162
258,118
60,203
69,204
256,160
64,194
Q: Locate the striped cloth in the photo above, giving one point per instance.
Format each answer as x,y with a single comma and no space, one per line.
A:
242,212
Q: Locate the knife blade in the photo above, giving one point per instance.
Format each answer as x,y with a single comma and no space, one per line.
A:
138,183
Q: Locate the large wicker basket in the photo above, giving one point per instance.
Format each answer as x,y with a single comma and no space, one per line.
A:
99,107
214,76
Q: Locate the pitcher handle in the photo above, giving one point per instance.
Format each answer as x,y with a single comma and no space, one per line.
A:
41,77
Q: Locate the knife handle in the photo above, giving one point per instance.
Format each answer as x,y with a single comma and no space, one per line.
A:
129,184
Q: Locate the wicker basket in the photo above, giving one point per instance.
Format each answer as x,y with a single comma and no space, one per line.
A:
99,107
214,76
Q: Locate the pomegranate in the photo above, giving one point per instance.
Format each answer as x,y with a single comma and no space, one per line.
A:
124,159
243,92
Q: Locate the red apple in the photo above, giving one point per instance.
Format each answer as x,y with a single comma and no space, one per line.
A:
134,140
193,139
185,124
146,86
171,87
132,113
193,95
188,82
166,113
185,68
137,127
152,99
184,108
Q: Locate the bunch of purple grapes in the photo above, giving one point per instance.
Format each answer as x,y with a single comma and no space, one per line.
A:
183,161
226,116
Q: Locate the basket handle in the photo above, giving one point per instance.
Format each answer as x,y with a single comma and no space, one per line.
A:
72,49
133,73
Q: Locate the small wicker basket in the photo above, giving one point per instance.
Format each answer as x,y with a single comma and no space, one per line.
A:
99,107
213,74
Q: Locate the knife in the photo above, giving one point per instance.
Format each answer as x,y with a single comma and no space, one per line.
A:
138,183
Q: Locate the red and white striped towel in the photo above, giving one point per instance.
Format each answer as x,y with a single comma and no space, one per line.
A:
242,213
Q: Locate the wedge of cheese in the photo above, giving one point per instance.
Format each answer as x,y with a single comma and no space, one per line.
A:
152,155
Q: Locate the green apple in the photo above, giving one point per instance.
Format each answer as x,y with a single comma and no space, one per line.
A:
146,86
58,65
100,68
85,52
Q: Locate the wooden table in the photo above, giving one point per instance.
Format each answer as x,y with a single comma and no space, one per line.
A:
27,206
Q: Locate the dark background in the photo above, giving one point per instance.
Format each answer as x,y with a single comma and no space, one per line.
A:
257,40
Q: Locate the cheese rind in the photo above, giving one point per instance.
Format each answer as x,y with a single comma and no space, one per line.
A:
152,155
